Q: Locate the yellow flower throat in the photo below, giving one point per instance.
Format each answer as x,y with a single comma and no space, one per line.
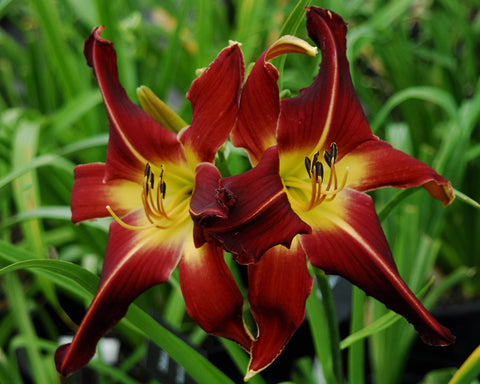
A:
154,189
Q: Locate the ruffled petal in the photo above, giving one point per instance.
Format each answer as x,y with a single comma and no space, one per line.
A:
211,295
376,164
256,126
135,137
206,209
328,110
214,96
277,290
250,213
90,195
347,240
134,262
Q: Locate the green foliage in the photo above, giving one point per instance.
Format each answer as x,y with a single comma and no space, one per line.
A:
415,64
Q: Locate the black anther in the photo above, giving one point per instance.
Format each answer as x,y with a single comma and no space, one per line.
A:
308,165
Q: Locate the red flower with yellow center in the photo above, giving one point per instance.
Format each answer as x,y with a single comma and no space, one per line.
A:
315,157
146,185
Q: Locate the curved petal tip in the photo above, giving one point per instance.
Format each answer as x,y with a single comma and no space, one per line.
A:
250,374
438,336
441,191
81,359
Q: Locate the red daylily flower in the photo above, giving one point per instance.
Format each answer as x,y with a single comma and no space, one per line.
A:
148,179
316,151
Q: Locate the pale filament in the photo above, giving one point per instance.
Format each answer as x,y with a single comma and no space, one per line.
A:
132,227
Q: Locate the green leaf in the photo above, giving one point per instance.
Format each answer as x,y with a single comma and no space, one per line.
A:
469,370
468,200
37,162
94,141
295,18
290,28
378,325
394,201
64,273
19,305
60,212
434,95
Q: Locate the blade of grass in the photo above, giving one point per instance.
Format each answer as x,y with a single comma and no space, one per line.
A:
65,273
469,370
14,292
39,161
356,351
431,94
295,18
66,116
9,372
60,212
324,327
378,325
25,187
290,27
391,317
320,334
467,200
58,52
91,142
394,201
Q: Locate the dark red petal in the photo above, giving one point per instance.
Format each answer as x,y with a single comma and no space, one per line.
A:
134,262
205,208
278,287
353,246
211,295
90,195
328,110
250,213
375,164
135,137
214,96
255,129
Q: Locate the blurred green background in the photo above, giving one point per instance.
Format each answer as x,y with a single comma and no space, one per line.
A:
415,66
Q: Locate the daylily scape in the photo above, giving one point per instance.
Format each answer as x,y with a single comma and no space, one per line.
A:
317,150
313,157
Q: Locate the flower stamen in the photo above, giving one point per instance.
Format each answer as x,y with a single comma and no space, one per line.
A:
130,226
153,195
315,170
154,208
